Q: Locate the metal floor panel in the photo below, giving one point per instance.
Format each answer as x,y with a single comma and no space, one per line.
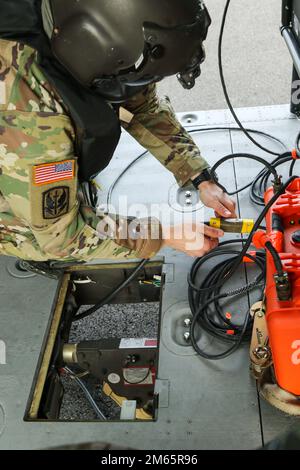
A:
212,405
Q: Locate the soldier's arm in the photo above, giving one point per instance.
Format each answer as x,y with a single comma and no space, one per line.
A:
79,235
129,237
155,126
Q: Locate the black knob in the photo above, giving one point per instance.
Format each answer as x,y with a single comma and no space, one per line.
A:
296,237
157,52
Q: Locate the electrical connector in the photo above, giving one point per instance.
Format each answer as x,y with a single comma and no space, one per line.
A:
277,184
283,286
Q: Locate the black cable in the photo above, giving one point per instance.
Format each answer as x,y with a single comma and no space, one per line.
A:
297,147
195,130
297,144
261,182
269,167
276,258
114,184
248,242
224,86
238,129
210,316
112,295
292,167
203,295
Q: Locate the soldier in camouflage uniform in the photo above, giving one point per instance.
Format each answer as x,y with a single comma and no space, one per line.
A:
37,139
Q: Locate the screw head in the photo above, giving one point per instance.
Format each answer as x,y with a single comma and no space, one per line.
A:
187,322
187,337
262,352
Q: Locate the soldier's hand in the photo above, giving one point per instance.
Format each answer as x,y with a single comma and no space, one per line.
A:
193,239
214,197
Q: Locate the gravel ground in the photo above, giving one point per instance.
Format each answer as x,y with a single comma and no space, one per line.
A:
112,321
118,321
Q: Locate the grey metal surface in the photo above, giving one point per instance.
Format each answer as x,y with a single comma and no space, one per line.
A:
211,405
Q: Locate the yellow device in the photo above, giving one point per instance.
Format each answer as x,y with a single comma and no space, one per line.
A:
232,225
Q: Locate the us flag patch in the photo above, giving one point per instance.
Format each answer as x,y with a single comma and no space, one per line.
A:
48,173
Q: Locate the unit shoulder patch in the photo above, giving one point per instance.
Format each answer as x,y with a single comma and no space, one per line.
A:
56,202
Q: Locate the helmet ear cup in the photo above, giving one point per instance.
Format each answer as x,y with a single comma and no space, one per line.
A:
129,43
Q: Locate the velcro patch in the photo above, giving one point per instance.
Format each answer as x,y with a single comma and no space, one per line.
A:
48,173
56,202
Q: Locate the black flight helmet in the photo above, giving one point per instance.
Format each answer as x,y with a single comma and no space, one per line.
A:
119,46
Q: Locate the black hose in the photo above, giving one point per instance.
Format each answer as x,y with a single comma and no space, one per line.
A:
276,258
112,295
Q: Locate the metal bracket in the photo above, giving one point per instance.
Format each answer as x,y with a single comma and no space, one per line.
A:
260,352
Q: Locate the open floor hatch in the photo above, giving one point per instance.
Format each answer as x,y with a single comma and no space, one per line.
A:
107,373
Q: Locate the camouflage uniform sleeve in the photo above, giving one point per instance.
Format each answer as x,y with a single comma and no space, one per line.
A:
141,236
155,126
41,214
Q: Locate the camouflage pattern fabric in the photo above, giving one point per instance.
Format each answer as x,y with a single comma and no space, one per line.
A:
41,217
156,127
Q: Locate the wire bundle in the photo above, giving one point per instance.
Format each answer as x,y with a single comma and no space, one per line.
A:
205,299
209,292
